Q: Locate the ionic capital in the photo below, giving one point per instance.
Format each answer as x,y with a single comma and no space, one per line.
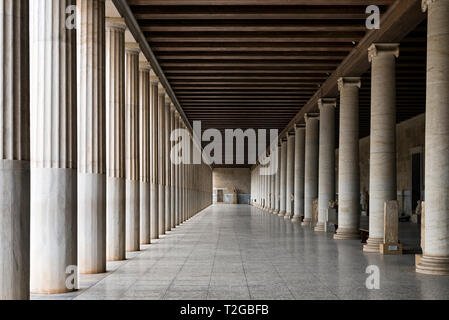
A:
132,48
327,102
116,24
426,3
377,49
349,82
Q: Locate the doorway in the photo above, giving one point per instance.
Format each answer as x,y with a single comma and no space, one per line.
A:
220,196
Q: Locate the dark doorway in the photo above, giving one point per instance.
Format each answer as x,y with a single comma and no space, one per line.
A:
220,196
416,179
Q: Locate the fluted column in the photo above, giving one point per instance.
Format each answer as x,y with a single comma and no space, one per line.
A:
162,164
144,152
326,166
348,167
383,138
14,151
132,52
53,146
154,151
173,172
435,259
91,136
283,180
277,182
311,167
273,188
178,179
115,139
290,176
300,151
167,128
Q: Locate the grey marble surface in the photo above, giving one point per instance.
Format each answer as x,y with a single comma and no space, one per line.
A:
241,252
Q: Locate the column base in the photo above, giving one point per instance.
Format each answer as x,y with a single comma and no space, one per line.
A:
347,234
306,222
281,213
296,219
372,245
320,227
276,211
288,216
433,265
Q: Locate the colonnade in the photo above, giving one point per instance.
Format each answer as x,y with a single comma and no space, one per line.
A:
85,147
314,173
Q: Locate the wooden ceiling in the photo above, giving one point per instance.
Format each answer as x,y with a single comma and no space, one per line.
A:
259,63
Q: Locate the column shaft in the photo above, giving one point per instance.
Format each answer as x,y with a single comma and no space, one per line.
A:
290,176
162,164
283,180
326,166
167,128
277,182
53,146
383,138
115,140
14,151
91,136
311,168
348,167
435,259
144,152
299,172
154,151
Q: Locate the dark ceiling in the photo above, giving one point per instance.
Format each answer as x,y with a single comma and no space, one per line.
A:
255,64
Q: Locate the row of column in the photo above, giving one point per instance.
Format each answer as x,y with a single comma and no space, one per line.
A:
307,155
85,167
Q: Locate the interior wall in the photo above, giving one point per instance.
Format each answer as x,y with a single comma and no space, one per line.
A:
410,138
230,179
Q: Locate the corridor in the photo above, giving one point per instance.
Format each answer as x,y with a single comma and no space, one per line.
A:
241,252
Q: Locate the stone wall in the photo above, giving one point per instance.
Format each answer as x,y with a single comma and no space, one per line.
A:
229,179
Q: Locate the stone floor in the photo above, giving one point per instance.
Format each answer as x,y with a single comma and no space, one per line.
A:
240,252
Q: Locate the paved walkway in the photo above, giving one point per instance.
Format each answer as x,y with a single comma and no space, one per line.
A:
240,252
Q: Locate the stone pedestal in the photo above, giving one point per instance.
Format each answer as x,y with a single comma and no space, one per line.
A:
348,166
382,139
115,139
435,259
300,133
91,136
311,167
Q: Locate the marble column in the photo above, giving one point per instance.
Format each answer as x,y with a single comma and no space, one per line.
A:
290,176
115,139
178,178
311,167
300,151
348,162
383,138
435,259
132,51
283,179
167,128
273,189
277,182
173,169
14,151
154,152
53,147
91,136
144,151
326,163
162,165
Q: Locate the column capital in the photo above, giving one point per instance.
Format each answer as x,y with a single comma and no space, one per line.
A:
172,107
300,126
117,24
144,66
349,82
132,47
310,116
377,49
327,102
291,134
283,140
425,4
153,77
167,98
161,89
